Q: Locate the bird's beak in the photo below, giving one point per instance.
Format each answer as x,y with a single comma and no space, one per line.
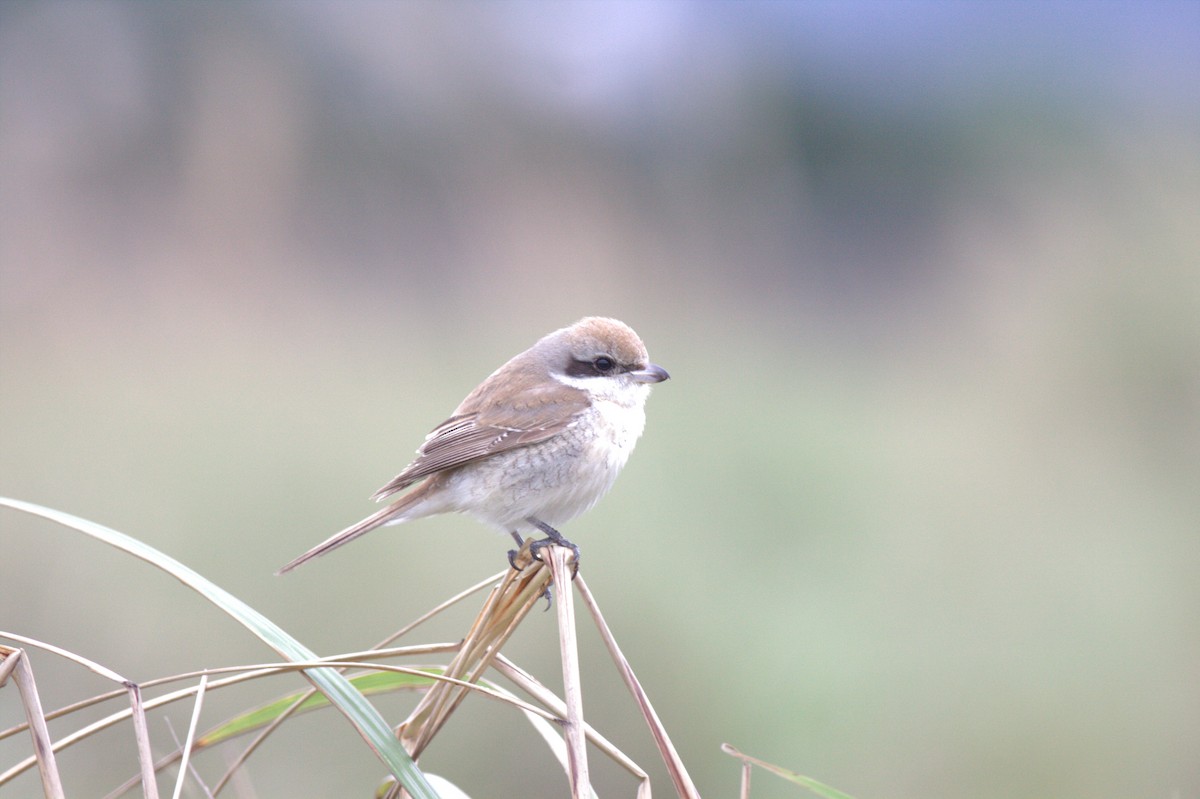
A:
653,373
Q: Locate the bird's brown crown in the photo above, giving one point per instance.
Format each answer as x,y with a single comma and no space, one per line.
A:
596,336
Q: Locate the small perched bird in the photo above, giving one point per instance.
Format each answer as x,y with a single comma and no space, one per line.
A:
535,444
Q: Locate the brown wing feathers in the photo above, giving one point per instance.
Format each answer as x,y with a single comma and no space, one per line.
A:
489,428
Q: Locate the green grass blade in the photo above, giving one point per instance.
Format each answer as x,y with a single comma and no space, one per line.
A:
361,713
819,788
368,683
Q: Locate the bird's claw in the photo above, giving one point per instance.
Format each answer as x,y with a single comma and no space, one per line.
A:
540,544
513,554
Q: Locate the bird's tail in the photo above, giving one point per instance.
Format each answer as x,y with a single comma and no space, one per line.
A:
392,513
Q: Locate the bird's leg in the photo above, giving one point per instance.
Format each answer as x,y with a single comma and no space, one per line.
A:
512,553
552,537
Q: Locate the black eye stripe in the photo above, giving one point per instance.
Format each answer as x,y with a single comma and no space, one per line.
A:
582,369
590,369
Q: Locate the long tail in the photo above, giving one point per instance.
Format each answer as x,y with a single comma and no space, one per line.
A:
390,513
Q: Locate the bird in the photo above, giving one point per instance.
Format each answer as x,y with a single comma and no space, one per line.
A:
535,445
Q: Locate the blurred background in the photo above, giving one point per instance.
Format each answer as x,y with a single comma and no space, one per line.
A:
917,514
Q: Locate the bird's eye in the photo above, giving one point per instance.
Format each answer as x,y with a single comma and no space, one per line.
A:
604,364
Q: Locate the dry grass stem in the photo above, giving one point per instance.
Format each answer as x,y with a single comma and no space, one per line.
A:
376,651
243,673
819,788
122,715
577,771
141,734
514,593
256,671
247,672
91,665
506,605
454,600
186,749
203,743
679,775
258,740
15,664
527,683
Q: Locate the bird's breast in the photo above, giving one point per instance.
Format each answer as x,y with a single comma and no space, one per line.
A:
557,479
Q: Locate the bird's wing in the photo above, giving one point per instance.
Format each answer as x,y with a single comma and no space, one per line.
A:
488,423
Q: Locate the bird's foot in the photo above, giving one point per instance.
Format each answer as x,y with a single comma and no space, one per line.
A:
526,556
553,537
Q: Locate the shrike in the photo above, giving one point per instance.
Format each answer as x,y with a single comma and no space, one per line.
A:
535,444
